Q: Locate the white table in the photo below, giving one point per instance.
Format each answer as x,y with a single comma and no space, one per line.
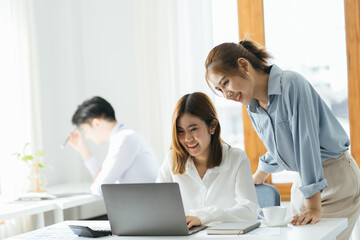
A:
326,229
85,197
19,209
16,209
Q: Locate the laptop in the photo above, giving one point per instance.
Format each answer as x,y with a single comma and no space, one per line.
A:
146,209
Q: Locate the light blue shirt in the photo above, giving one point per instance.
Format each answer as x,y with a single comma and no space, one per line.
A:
298,130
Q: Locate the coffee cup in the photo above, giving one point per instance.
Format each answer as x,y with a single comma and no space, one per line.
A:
273,213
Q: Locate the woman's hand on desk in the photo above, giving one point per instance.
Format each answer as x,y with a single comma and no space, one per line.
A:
192,221
313,212
310,216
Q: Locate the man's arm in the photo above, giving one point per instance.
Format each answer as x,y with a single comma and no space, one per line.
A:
76,141
118,160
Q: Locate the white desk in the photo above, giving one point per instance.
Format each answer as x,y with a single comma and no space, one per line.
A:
73,201
326,229
18,209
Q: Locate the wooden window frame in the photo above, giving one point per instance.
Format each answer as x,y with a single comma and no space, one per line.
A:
251,23
352,29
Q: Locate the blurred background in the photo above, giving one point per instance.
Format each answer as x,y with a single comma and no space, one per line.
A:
142,56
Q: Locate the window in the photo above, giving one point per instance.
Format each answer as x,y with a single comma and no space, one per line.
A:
18,107
315,47
225,29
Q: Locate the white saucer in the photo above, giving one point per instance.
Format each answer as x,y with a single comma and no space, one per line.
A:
277,223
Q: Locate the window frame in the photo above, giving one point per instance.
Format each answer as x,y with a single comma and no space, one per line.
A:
251,22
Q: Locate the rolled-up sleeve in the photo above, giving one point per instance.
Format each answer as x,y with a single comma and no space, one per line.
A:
305,130
268,164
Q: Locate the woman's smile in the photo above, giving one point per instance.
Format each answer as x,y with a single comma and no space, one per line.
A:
193,146
238,98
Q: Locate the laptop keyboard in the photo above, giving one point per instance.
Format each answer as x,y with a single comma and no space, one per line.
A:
195,229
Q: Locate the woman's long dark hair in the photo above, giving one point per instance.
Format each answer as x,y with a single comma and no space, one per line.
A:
199,105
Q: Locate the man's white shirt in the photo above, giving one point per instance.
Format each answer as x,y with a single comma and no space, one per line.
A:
130,159
226,192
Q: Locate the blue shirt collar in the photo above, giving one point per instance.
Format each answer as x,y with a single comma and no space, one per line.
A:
274,87
253,105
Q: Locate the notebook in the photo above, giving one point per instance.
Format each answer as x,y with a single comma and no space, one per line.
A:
232,228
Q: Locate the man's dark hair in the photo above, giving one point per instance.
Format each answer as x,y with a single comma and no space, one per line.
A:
96,107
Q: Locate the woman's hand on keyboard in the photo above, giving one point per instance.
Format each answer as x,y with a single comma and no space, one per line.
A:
192,221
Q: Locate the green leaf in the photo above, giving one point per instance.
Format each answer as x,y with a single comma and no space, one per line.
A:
39,153
40,165
27,157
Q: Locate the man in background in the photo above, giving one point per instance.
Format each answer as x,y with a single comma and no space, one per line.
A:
130,157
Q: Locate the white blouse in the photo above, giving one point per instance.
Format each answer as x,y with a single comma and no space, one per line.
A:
226,192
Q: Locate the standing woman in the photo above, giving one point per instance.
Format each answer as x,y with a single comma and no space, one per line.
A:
297,128
214,179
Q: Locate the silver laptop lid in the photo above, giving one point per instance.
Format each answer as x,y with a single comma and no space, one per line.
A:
145,209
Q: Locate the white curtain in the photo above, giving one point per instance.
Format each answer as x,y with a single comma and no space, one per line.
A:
173,39
19,119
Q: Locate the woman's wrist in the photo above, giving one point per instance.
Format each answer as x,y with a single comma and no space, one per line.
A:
313,211
314,202
259,177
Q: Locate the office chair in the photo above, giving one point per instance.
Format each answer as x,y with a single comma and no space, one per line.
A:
267,195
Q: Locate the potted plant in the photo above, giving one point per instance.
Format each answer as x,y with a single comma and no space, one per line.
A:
35,163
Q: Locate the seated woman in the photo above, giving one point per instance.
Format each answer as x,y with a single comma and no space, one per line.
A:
215,179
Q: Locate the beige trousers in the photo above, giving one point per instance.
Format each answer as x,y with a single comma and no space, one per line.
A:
342,196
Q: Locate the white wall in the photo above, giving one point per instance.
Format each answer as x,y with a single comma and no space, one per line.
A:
91,47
